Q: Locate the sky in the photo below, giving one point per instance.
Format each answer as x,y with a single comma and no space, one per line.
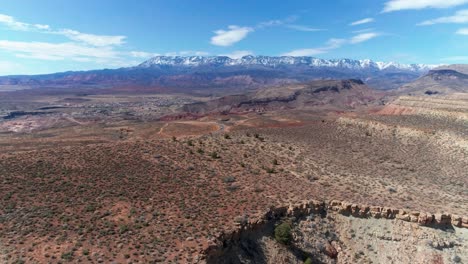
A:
60,35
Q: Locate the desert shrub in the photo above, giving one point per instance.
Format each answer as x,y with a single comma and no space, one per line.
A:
283,233
200,151
232,188
229,179
227,136
308,261
275,162
215,155
90,208
174,138
190,142
68,256
123,229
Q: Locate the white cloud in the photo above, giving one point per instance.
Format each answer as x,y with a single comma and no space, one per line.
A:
43,27
82,47
276,22
238,54
91,39
12,23
234,33
304,28
56,51
396,5
230,36
187,53
462,31
362,30
95,40
460,17
331,44
335,43
363,37
270,23
305,52
143,54
49,57
362,21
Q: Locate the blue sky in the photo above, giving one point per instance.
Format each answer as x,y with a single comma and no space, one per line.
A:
55,35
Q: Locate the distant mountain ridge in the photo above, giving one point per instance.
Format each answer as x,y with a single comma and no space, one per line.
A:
269,61
442,80
221,74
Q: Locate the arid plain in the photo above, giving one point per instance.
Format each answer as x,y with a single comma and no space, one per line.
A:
133,178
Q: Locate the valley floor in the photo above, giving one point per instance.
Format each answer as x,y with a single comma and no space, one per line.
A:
133,190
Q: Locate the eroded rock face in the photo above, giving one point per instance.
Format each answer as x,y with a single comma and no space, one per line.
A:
365,211
326,232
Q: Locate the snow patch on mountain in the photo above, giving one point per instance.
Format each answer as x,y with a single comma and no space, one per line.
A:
194,61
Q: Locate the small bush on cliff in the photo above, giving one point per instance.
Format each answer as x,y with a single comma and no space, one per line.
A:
283,233
308,261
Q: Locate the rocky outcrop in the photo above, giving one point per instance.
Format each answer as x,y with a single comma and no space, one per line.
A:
366,211
306,208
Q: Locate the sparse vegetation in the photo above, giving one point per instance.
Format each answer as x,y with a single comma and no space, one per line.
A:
139,198
283,233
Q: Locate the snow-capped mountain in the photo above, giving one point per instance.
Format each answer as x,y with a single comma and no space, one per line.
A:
221,72
194,61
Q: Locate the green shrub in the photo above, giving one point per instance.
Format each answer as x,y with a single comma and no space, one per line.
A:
68,256
283,233
123,229
308,261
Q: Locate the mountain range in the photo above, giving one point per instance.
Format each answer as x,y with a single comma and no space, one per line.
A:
200,73
273,62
